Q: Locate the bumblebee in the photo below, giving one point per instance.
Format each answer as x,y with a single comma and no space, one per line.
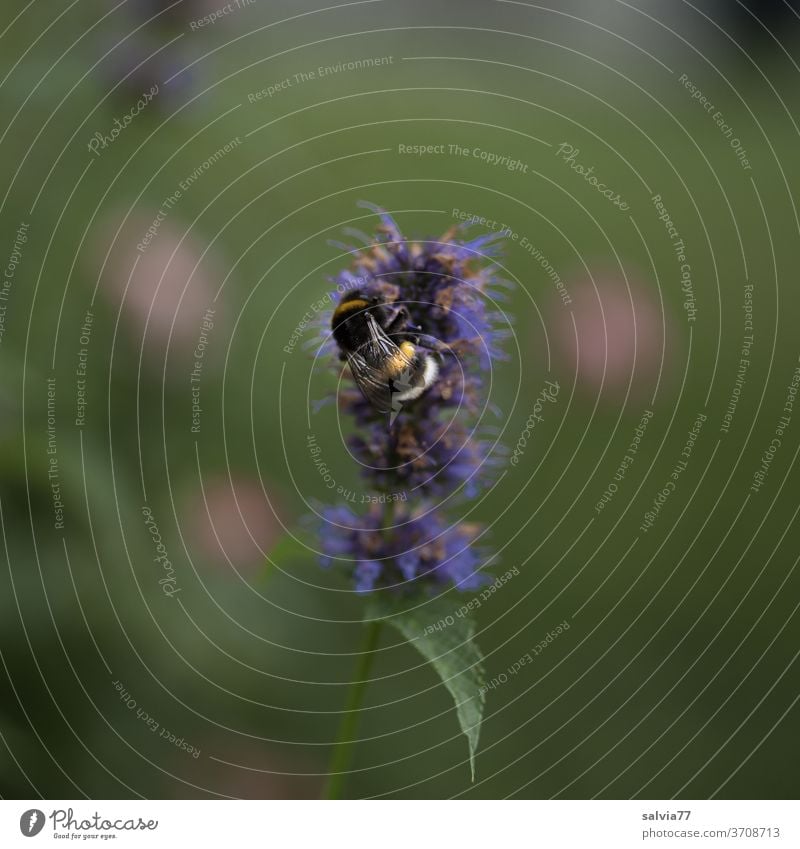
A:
391,362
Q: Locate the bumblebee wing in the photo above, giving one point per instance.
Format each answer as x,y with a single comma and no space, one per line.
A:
372,382
380,348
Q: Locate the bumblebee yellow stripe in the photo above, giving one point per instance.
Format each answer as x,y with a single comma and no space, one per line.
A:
348,306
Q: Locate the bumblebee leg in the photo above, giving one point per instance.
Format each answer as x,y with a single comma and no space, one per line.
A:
426,341
399,321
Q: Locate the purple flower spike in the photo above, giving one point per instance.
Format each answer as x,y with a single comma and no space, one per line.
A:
442,294
415,550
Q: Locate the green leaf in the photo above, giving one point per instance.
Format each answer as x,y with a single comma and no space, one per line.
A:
447,642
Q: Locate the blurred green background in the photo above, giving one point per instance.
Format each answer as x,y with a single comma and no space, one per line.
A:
678,675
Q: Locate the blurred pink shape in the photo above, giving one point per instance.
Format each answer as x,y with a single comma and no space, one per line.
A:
254,771
234,523
147,274
617,336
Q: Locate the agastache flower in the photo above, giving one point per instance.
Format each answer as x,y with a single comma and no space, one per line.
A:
419,548
435,446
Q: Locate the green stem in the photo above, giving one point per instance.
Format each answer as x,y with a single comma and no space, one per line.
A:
343,750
